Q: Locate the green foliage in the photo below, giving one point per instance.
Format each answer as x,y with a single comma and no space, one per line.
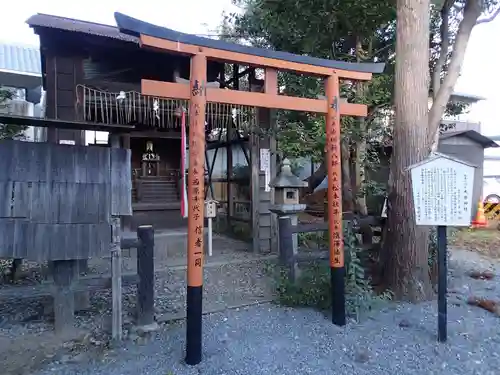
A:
343,30
312,240
312,289
5,95
9,131
321,29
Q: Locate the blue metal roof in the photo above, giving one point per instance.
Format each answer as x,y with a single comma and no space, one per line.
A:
20,59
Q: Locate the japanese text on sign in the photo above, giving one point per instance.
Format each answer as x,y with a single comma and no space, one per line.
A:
210,208
196,175
334,186
442,192
265,165
198,89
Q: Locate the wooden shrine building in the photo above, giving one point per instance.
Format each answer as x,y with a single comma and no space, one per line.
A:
139,74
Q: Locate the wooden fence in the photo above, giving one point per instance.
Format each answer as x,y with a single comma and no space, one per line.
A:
57,201
65,285
365,229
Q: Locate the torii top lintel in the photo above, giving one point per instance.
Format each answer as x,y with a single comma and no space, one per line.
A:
163,38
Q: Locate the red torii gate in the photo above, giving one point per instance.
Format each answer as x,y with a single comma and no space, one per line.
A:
200,49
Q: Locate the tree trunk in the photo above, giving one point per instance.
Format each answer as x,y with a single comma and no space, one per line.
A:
317,177
405,244
361,207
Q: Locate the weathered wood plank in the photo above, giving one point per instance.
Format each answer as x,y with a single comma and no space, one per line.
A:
64,297
121,182
21,199
312,256
56,200
41,241
23,154
44,207
81,164
264,208
7,228
44,162
6,188
85,283
104,165
20,239
264,233
104,236
64,202
307,228
6,160
254,167
115,249
264,245
265,219
274,171
59,244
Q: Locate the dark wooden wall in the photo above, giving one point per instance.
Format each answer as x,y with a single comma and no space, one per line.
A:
56,201
62,71
71,58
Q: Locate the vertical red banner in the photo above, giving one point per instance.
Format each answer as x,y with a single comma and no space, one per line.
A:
184,199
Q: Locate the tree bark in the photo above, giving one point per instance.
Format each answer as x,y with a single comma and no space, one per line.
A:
405,244
441,61
472,11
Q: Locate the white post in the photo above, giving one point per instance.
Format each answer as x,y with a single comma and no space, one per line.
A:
209,237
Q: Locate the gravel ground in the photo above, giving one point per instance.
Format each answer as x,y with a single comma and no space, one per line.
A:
224,286
268,339
26,325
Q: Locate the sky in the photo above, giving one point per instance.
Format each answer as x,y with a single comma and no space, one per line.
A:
479,73
190,16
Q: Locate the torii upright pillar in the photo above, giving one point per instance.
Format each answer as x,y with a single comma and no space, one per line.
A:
196,207
335,230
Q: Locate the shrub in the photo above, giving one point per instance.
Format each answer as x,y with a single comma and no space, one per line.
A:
312,289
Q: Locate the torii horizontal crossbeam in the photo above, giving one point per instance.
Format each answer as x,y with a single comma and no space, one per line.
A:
254,99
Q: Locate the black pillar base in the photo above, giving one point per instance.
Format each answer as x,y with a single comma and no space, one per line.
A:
338,295
193,324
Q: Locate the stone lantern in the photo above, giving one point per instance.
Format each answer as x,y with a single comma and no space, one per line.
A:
286,195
